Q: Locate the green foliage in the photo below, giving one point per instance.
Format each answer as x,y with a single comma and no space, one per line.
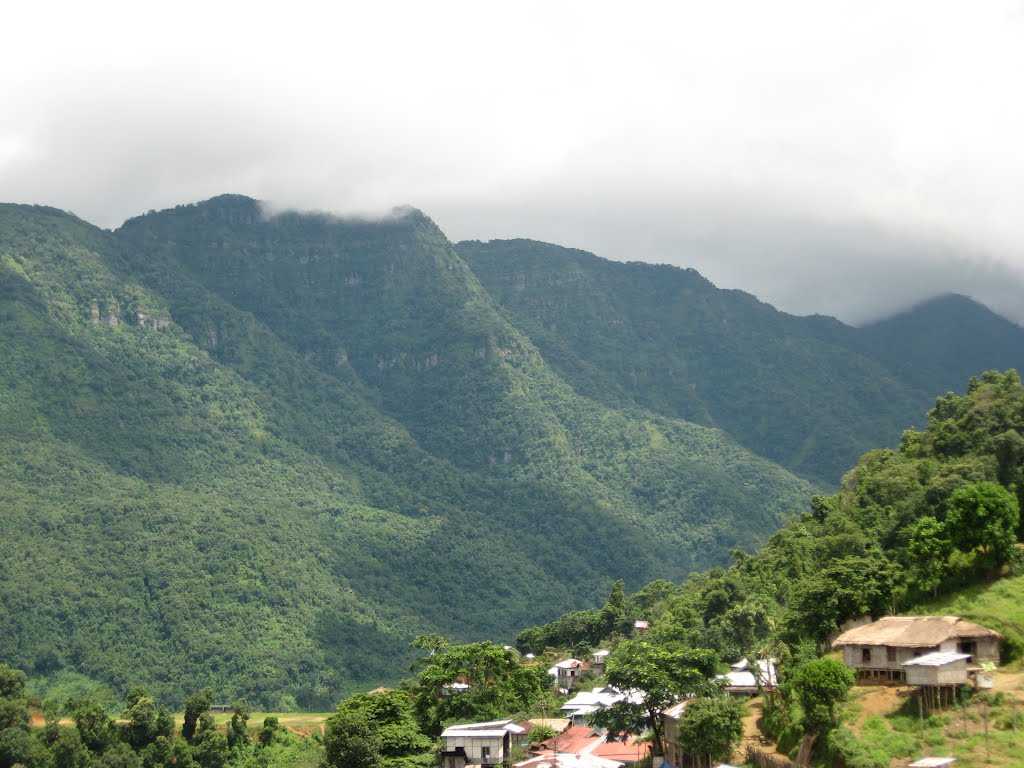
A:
351,742
928,552
819,686
144,722
807,392
93,723
254,450
710,728
238,727
378,729
881,544
498,685
851,586
196,706
984,516
661,674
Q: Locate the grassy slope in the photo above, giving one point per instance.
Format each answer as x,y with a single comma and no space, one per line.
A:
998,605
214,504
885,722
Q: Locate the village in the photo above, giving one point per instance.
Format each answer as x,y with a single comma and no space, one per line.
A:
931,661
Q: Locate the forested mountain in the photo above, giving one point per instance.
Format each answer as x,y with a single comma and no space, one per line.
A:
261,454
808,392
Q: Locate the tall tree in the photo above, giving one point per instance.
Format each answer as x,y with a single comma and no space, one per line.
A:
819,685
984,517
710,728
351,742
659,675
498,684
195,706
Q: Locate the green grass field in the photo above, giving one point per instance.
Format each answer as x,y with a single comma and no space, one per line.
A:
999,606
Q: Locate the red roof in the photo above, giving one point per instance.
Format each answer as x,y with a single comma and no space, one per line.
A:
574,739
580,738
624,751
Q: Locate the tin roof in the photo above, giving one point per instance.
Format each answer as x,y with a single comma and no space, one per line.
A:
937,659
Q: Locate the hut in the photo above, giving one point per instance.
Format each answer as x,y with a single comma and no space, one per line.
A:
879,650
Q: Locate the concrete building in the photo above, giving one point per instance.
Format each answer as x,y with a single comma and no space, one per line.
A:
484,744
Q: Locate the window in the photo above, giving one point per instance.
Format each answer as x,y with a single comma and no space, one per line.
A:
969,647
485,754
890,654
865,655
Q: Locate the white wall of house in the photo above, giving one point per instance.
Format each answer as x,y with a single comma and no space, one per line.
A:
477,747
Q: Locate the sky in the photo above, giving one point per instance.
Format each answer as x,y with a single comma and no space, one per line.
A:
844,158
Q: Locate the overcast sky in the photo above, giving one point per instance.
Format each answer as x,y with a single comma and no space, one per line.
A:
842,158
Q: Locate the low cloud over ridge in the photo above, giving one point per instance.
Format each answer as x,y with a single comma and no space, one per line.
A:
835,158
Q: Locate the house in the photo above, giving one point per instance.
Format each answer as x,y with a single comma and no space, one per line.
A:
640,626
937,669
670,733
569,760
933,762
524,739
484,744
568,673
879,650
592,748
598,660
743,677
579,708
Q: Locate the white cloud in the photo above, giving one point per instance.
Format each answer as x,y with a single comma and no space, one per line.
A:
841,157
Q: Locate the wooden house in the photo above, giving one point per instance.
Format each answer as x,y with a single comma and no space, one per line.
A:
878,651
568,673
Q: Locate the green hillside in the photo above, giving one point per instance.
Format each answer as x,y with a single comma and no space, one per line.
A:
807,392
998,605
261,455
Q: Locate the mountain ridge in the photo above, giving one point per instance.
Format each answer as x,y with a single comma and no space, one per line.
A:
226,494
670,340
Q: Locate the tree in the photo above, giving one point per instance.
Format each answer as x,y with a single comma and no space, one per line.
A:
984,516
143,721
710,728
269,731
93,724
613,614
238,728
17,748
12,682
848,587
210,748
661,674
68,751
119,755
929,550
195,705
390,726
350,742
13,714
819,686
498,684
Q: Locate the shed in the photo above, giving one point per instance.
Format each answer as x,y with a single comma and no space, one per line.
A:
939,668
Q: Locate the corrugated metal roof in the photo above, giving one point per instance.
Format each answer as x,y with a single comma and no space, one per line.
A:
936,659
490,729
